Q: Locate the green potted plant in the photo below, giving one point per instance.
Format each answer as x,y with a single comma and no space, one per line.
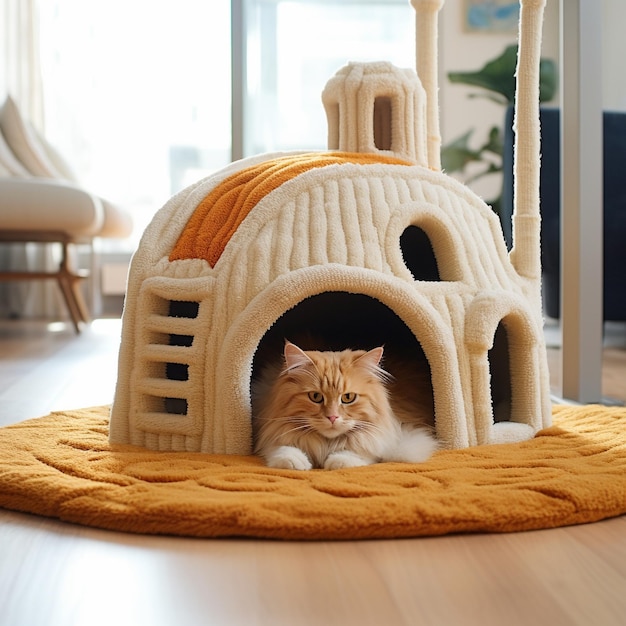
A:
496,79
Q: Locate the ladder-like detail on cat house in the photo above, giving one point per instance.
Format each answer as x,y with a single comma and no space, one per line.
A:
367,243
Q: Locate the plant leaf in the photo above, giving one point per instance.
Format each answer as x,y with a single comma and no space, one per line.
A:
457,154
548,79
497,75
494,97
495,144
492,168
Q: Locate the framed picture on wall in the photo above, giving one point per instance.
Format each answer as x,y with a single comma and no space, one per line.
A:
491,16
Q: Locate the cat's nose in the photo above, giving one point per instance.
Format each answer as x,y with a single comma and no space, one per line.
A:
331,418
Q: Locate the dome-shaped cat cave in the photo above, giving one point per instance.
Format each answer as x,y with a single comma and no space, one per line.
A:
365,244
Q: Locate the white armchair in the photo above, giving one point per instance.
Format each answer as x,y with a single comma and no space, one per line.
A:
40,202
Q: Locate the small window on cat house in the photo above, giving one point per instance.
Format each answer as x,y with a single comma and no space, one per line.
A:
180,308
418,254
179,371
382,123
175,406
183,308
499,366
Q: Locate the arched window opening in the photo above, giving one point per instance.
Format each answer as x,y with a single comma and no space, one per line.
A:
418,254
382,123
500,369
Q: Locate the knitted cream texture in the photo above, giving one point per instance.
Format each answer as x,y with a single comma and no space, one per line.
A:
335,226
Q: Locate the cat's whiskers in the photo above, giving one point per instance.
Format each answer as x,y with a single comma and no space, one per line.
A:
303,428
363,425
369,428
282,418
298,423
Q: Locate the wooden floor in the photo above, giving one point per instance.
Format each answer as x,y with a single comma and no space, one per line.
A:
53,573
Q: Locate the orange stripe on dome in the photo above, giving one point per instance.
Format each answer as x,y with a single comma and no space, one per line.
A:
220,213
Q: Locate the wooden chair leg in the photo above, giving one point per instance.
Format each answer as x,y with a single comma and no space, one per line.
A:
80,301
68,279
69,282
70,301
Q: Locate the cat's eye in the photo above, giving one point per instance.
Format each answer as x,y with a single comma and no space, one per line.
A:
348,398
316,396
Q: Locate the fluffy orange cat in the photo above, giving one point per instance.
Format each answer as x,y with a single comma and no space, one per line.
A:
338,409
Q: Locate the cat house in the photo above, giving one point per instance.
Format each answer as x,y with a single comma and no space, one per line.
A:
364,244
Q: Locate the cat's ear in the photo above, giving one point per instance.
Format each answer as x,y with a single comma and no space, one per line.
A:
372,358
295,357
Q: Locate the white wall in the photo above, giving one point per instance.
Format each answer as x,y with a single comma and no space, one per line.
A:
461,50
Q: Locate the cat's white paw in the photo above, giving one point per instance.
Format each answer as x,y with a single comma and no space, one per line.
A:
288,457
345,458
414,446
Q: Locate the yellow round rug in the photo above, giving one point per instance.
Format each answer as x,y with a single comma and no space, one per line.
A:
62,466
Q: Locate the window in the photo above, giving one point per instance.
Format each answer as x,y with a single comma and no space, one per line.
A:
138,93
294,47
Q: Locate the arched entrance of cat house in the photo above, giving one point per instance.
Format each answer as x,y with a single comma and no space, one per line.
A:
384,312
504,345
339,320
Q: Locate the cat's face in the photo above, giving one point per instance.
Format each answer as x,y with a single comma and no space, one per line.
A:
332,393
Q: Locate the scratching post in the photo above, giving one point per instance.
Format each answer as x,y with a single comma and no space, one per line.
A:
525,254
370,239
426,36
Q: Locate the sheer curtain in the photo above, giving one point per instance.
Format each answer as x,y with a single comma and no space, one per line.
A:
19,32
22,67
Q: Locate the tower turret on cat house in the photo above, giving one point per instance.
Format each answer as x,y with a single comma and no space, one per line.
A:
377,107
367,243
